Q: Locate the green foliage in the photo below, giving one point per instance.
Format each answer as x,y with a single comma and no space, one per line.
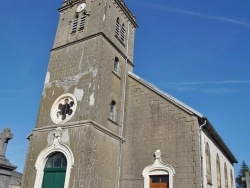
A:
243,169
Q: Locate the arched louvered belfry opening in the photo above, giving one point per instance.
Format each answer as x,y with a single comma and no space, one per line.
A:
123,32
117,26
75,24
82,20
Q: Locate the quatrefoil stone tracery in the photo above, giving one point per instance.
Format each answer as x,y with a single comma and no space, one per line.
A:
63,108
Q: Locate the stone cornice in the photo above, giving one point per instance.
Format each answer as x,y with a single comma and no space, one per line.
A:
93,36
67,4
127,12
80,124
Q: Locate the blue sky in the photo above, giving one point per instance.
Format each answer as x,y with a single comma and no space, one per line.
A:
197,51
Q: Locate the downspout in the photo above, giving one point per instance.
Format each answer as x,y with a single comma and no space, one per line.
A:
201,154
123,107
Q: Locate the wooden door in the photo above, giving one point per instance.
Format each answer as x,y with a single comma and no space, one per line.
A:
55,171
159,181
54,177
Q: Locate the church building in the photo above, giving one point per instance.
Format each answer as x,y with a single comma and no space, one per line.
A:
101,126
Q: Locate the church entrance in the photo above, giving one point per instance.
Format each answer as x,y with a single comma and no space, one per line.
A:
54,171
159,181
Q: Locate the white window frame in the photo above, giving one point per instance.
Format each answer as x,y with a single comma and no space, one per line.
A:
42,158
158,168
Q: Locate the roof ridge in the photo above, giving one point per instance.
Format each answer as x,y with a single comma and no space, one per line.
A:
168,96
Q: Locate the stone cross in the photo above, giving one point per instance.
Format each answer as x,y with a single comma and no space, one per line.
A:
5,136
247,179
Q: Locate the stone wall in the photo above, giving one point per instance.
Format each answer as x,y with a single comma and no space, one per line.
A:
153,122
86,71
214,151
94,150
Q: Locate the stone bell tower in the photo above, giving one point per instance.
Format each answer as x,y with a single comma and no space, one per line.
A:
78,134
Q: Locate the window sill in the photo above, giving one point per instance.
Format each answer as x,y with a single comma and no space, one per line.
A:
112,121
115,73
122,42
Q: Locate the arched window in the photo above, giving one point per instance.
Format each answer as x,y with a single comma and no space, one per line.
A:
117,26
218,171
55,171
112,111
123,32
208,165
116,65
82,20
75,23
225,174
232,179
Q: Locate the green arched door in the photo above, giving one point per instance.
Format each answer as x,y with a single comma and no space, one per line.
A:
54,171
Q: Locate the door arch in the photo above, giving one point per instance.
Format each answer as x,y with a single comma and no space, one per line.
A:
46,153
159,174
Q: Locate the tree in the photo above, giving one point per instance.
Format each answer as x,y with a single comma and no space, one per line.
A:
243,169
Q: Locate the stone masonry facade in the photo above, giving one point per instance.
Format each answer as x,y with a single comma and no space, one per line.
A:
152,123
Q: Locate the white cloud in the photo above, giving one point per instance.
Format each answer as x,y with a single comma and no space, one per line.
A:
207,90
192,13
209,87
210,82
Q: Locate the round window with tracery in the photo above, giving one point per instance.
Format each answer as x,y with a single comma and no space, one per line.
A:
63,108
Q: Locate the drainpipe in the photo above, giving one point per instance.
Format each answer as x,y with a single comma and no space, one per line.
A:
123,107
201,154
